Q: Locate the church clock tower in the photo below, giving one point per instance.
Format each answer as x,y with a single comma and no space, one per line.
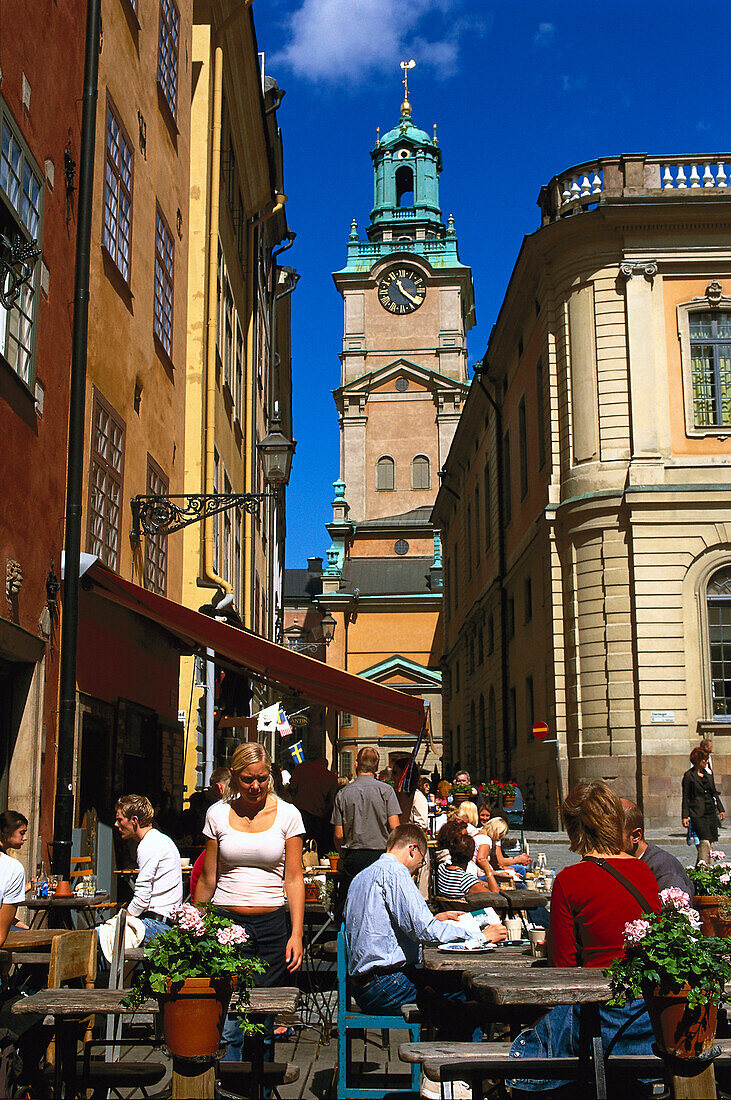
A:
409,303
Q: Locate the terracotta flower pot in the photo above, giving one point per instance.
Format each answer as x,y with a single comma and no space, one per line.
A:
63,890
334,861
508,801
715,915
458,799
679,1030
193,1015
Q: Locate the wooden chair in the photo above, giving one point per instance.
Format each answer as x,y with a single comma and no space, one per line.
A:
73,957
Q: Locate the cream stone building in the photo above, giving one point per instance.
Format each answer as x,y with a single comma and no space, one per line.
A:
586,508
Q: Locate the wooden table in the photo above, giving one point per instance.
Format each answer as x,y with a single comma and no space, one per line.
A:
547,987
27,939
511,955
68,1006
61,910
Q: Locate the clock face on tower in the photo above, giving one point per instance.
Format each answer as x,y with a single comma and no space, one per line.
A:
402,290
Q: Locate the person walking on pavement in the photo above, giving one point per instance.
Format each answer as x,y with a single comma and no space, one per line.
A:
159,883
702,806
312,789
365,812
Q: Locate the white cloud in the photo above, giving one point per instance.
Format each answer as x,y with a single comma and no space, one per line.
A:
352,39
545,34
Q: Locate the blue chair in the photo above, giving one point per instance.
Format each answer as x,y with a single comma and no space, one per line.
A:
349,1019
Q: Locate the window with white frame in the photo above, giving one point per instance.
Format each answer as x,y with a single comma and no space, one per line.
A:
167,58
118,187
21,216
346,720
215,519
237,558
718,596
156,546
239,376
106,472
227,350
346,765
164,273
710,357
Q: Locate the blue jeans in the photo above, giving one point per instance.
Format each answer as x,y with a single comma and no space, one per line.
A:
153,928
556,1035
268,936
384,995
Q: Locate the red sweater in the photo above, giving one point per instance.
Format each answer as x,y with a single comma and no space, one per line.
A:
589,910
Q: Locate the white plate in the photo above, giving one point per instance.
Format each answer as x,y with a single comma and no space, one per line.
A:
460,947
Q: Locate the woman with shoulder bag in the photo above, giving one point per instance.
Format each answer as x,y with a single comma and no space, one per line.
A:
702,805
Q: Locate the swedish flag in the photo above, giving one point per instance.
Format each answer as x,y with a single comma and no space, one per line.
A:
298,753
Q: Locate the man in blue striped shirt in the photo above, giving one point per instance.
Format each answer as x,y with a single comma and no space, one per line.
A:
387,921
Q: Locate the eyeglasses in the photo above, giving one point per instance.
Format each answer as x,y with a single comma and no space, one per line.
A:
422,854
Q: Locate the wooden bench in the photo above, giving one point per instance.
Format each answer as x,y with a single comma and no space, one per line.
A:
478,1062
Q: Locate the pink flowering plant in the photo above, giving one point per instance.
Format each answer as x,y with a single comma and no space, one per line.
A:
198,945
712,879
668,949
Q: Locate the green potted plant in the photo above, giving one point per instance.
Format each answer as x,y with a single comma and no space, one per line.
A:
334,858
678,971
460,792
712,885
192,970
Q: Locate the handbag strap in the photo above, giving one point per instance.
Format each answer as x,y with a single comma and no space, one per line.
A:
639,898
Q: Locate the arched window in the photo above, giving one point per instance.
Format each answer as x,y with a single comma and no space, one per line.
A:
719,631
472,738
492,731
420,473
480,755
385,473
404,186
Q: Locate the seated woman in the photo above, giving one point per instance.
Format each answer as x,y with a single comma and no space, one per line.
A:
497,829
467,812
13,827
590,905
454,880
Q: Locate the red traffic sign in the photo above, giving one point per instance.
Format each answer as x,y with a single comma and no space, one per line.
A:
540,731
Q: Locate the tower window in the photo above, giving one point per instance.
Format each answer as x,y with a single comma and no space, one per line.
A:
420,473
404,186
401,547
385,473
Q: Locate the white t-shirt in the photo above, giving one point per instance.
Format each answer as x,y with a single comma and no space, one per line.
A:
159,883
12,880
251,865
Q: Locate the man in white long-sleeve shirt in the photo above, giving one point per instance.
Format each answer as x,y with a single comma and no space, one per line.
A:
159,884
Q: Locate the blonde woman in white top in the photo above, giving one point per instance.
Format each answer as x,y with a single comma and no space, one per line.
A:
253,854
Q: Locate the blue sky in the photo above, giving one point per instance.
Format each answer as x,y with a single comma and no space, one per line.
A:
519,92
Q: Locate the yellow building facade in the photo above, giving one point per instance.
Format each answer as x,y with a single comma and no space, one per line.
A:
238,372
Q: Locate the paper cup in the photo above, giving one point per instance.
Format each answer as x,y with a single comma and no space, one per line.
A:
537,937
514,928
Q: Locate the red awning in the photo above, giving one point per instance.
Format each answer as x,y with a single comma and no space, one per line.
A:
315,680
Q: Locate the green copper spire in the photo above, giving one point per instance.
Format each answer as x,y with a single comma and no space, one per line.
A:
406,166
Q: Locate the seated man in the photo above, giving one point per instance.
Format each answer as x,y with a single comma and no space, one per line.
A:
387,920
454,879
159,882
665,867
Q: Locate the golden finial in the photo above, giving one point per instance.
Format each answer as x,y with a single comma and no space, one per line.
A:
406,65
436,139
378,135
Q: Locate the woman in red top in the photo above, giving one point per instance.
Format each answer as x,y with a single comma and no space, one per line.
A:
589,909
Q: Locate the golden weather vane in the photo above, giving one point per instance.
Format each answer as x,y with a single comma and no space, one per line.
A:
406,65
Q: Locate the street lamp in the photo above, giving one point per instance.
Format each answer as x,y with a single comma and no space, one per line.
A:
276,454
328,624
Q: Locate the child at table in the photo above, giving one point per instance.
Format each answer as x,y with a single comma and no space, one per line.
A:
590,905
13,828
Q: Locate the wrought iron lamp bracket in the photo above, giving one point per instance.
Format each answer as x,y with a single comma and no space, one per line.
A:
17,260
155,514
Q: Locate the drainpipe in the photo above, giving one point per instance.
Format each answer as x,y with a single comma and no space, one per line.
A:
480,369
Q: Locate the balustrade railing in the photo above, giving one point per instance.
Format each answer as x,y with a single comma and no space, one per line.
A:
585,185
